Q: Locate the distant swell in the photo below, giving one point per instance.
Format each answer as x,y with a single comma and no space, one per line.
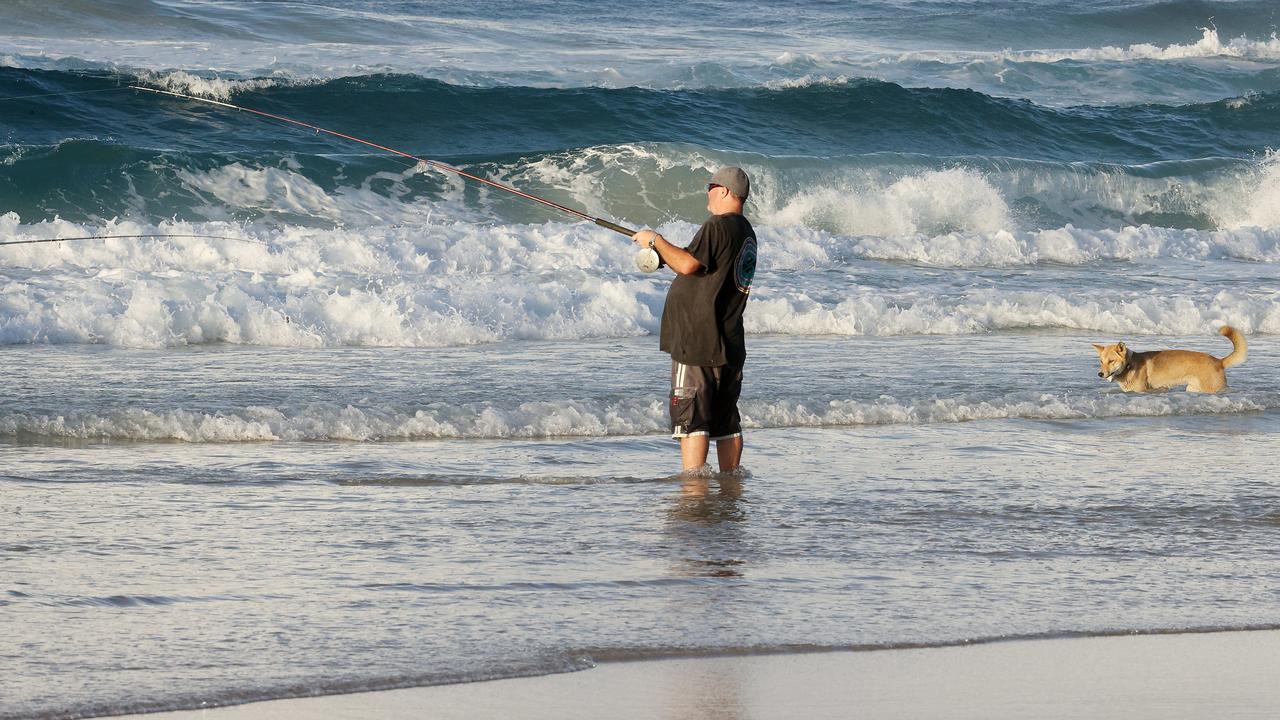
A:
1209,45
841,116
860,157
1107,51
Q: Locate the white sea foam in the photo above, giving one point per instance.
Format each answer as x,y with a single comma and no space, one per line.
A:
237,188
805,81
1257,203
902,195
929,202
533,419
587,418
308,309
1209,45
403,273
869,313
1035,406
435,285
421,286
1067,245
285,193
215,88
902,200
887,195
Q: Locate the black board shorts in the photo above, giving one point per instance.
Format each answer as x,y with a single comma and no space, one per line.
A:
704,401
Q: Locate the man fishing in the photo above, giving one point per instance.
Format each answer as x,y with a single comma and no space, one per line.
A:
702,319
702,323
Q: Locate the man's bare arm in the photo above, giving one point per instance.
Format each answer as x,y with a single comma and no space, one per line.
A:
677,258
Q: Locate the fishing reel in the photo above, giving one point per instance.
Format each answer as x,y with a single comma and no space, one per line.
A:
648,260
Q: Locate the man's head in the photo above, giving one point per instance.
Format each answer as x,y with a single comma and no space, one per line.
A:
728,190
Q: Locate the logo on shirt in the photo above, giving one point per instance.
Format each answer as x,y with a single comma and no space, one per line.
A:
745,271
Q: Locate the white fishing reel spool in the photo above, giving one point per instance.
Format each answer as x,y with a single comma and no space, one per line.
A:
648,260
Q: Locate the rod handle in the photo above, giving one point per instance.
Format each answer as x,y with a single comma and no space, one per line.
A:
614,227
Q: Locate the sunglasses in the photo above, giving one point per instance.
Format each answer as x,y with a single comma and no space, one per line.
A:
712,185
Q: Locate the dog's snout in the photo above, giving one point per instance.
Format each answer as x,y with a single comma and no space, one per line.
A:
1100,373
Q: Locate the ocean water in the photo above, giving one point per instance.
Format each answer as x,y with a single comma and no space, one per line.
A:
376,427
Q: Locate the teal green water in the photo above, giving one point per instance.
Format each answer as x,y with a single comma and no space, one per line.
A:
378,427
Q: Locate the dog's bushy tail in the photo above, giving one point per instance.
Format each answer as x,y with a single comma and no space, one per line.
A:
1241,349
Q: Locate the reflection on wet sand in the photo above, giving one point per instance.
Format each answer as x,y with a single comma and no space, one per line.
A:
707,693
707,525
697,501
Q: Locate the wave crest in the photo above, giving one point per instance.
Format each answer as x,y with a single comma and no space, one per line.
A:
214,88
929,203
1210,45
535,420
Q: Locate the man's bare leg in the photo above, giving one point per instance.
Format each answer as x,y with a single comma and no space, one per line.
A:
729,452
693,451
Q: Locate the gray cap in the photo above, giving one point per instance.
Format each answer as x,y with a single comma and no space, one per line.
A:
734,180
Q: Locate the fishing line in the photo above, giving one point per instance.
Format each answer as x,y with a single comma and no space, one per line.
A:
114,237
433,164
106,237
59,94
647,260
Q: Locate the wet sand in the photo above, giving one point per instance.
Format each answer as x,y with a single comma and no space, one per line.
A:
1197,675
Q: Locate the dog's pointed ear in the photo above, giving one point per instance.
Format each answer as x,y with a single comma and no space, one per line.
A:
1100,348
1120,346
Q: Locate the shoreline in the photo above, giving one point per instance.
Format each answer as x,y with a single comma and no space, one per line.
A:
1182,674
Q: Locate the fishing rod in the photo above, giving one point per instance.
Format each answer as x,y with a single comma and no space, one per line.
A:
433,164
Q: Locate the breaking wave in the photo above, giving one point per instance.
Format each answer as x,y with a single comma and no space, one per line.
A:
533,420
453,283
883,194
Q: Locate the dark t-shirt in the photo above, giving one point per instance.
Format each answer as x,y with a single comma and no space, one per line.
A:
702,319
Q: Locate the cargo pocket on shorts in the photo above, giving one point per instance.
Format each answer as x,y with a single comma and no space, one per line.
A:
682,400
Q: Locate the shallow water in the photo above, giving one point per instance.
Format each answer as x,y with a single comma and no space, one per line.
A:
167,574
384,428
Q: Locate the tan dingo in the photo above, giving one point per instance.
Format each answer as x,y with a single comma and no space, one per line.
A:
1143,371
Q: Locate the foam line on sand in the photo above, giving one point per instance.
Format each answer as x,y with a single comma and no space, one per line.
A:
1198,675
